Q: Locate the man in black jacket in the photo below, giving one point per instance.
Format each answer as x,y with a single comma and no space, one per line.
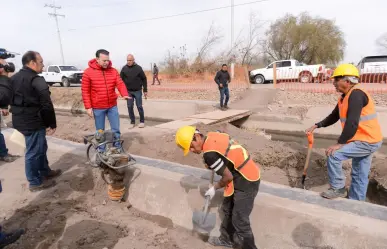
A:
33,115
5,99
223,78
136,82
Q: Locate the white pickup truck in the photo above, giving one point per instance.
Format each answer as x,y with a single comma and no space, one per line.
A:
65,75
289,70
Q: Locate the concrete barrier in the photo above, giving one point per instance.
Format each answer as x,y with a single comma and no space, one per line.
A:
282,217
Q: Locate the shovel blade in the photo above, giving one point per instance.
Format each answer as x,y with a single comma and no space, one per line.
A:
203,222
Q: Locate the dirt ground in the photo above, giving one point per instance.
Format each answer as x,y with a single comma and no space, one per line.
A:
62,96
312,99
281,162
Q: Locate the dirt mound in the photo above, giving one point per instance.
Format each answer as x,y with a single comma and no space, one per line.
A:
67,97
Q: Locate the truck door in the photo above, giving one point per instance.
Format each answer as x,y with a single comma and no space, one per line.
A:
285,70
50,74
57,75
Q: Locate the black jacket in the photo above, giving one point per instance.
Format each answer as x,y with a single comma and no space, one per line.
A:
222,77
5,91
134,78
356,102
31,104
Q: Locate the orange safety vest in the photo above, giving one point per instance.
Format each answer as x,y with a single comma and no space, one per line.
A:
236,154
369,128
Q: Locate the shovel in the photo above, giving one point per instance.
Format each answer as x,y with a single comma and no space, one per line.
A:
310,146
204,222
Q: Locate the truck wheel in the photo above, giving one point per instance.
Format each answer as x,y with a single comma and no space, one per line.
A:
65,82
305,77
259,79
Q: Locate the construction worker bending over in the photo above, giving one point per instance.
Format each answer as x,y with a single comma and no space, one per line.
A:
240,180
360,138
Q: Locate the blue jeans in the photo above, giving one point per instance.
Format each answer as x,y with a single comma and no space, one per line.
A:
114,120
3,147
224,92
36,157
136,95
361,155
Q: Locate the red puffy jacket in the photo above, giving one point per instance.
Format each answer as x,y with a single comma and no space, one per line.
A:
99,85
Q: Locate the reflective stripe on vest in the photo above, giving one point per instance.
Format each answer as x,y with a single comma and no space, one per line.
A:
236,154
369,129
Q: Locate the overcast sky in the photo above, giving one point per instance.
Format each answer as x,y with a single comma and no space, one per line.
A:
30,27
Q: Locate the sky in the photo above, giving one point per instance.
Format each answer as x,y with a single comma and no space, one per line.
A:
27,26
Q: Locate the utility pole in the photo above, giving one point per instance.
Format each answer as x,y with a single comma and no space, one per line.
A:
55,15
232,23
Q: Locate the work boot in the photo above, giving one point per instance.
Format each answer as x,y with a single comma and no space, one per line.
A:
216,241
131,126
335,193
53,174
226,107
7,239
9,158
141,125
45,185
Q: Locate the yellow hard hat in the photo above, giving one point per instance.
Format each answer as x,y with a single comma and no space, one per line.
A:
345,70
184,136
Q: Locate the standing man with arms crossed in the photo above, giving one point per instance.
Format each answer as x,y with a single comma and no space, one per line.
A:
360,138
136,82
240,180
33,115
223,78
99,83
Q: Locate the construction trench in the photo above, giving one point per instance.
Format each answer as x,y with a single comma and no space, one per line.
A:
164,192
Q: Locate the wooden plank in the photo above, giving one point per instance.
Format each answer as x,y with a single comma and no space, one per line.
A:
219,115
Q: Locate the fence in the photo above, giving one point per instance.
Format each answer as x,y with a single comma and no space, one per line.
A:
317,78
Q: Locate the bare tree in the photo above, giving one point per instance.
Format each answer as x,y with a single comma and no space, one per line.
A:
212,38
249,49
381,42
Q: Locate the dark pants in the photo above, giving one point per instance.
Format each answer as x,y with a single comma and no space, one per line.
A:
224,92
36,157
235,226
136,96
156,77
3,146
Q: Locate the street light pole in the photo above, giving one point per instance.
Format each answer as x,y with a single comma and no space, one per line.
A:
55,15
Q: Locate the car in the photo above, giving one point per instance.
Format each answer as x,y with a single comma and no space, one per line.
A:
63,74
289,70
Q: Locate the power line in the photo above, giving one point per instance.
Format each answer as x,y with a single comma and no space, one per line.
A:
169,16
99,5
55,15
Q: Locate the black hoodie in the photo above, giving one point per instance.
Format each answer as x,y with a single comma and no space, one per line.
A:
134,78
222,77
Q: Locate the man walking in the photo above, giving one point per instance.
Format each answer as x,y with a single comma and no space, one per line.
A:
240,180
155,74
33,115
223,78
360,138
99,83
7,91
136,82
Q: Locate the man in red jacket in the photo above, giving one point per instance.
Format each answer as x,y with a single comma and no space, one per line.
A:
99,83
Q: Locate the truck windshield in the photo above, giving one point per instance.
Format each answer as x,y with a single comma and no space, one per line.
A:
68,68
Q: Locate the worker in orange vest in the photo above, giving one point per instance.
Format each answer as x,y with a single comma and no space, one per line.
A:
240,180
360,138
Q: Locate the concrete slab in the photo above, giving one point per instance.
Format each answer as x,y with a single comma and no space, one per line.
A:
282,217
220,115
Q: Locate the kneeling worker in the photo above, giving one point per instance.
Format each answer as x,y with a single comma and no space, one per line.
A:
240,180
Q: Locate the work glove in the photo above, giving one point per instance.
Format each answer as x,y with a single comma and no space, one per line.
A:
210,192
